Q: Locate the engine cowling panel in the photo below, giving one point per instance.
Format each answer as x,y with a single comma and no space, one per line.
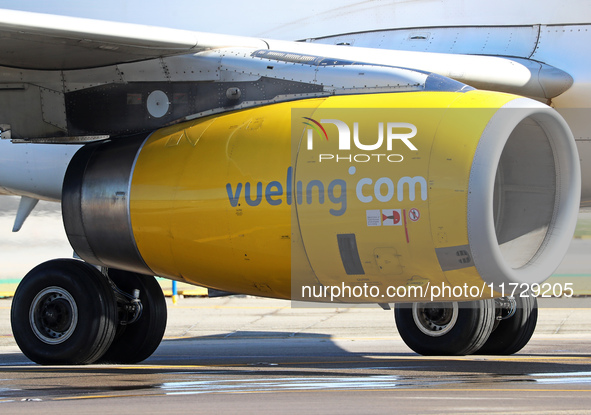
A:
251,202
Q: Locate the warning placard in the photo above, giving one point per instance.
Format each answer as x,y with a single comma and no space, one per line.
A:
373,218
391,217
414,214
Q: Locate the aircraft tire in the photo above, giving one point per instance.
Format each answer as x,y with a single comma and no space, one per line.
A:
137,341
64,312
512,334
445,329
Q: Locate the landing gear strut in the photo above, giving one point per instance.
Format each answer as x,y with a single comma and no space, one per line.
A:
515,324
137,339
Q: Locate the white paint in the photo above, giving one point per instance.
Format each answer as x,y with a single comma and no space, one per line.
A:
158,104
34,170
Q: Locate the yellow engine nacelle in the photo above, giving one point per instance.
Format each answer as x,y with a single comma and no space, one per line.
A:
378,190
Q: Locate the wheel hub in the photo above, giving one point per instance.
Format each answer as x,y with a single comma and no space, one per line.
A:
56,315
435,319
53,315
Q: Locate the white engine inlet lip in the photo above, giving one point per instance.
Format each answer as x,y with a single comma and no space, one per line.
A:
486,253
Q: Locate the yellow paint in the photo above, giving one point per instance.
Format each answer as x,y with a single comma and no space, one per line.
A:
416,258
182,220
187,229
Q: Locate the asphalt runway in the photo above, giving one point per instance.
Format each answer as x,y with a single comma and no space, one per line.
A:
252,355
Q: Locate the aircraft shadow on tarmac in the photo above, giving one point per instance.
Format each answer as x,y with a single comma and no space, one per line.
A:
305,351
245,360
313,350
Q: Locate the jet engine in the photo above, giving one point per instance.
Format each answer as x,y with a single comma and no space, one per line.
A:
376,190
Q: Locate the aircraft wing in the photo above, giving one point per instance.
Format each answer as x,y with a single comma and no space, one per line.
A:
49,42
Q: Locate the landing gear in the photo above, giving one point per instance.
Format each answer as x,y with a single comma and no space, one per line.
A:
137,336
498,327
64,312
67,312
515,324
445,328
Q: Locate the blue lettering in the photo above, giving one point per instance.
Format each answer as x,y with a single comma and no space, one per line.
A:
288,184
233,197
336,190
341,198
256,201
269,193
309,190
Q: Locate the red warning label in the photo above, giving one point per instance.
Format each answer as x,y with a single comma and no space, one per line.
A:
391,217
414,214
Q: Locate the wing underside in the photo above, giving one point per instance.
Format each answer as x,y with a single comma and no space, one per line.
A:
75,79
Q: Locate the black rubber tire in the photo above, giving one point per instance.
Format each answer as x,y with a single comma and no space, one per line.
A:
511,335
90,334
475,320
136,342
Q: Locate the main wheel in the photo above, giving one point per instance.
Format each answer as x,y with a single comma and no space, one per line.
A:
64,312
137,341
445,328
511,334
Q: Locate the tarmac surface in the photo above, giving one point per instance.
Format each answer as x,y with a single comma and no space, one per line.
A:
253,355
